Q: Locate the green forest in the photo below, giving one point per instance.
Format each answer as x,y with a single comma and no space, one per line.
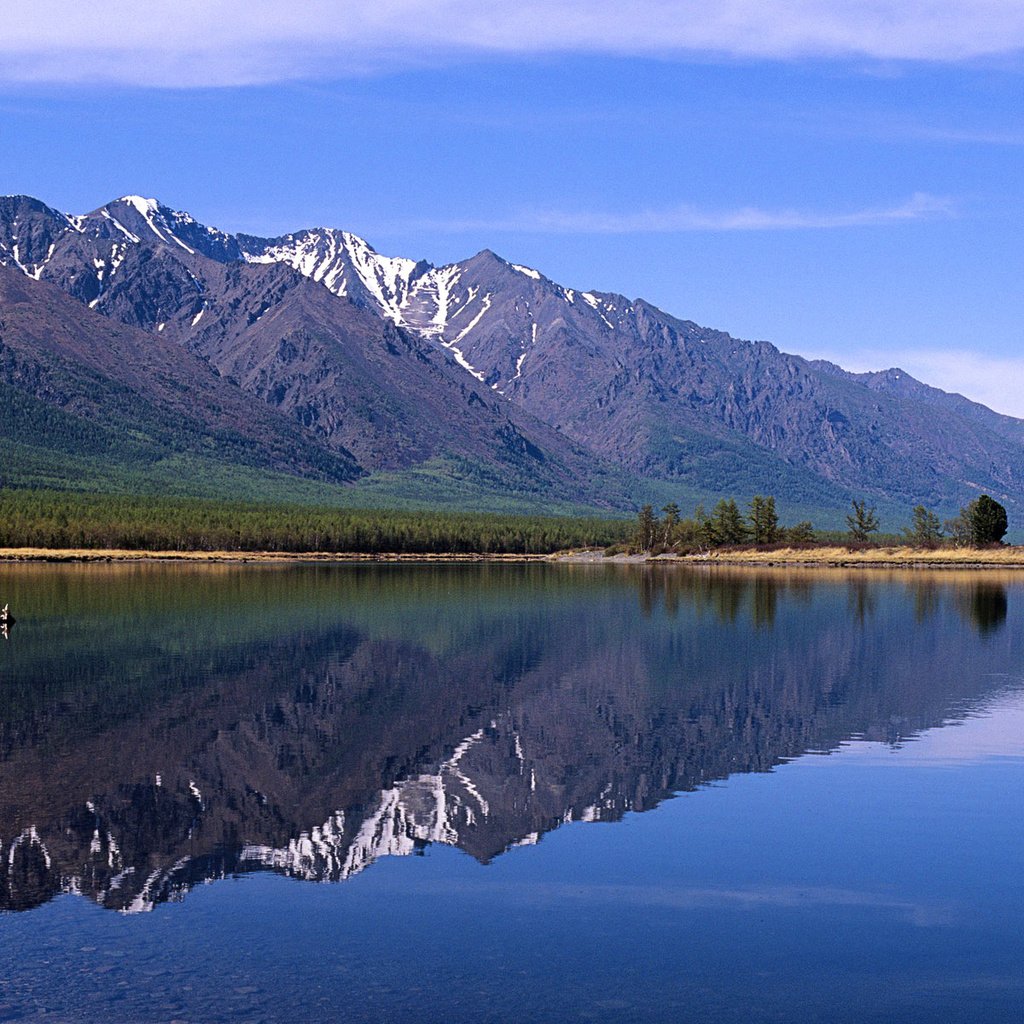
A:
60,519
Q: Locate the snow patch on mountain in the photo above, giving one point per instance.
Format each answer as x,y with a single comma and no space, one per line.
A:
120,227
528,271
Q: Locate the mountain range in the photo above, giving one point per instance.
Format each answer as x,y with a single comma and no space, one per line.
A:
140,349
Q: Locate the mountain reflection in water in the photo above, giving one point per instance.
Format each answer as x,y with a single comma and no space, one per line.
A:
162,726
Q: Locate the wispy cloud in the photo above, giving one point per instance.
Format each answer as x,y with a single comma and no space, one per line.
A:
752,898
684,218
228,42
990,733
992,380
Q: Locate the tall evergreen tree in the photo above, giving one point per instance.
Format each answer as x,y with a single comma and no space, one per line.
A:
986,520
862,522
925,530
764,522
728,522
646,528
706,532
670,523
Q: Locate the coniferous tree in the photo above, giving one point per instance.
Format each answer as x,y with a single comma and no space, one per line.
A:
728,522
670,523
958,530
925,530
986,520
862,522
764,522
646,528
801,533
705,528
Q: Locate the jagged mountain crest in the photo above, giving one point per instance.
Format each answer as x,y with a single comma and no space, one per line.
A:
654,395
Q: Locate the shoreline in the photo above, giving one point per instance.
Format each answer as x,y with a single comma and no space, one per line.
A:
833,557
106,555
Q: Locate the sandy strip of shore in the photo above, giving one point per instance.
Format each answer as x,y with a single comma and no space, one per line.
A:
896,557
965,558
124,555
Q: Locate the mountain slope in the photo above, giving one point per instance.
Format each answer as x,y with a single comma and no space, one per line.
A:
76,383
498,373
366,391
668,398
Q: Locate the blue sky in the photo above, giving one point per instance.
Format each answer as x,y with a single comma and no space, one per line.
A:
843,180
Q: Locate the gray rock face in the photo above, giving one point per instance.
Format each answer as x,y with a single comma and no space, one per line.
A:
114,390
668,398
399,362
357,388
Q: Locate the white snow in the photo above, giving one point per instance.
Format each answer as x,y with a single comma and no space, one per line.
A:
528,271
117,252
29,837
442,282
528,840
147,207
595,303
452,766
37,271
423,808
149,210
198,316
413,295
17,259
484,306
120,227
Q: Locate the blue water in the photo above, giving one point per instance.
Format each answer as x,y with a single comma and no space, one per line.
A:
807,796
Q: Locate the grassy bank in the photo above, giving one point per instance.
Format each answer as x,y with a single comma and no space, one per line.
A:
844,556
824,557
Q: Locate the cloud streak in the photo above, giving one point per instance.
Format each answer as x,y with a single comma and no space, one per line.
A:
686,218
185,43
992,380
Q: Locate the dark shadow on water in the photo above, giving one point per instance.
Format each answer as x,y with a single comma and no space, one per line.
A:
988,607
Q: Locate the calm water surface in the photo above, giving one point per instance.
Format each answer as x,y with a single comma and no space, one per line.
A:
511,793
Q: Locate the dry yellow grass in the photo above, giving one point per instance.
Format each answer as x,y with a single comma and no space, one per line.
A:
840,556
894,557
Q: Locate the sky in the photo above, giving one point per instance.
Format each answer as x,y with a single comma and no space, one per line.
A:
839,177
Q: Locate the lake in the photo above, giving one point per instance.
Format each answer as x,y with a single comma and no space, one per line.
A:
507,793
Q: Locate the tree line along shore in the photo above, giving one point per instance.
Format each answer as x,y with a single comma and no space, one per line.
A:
55,521
981,524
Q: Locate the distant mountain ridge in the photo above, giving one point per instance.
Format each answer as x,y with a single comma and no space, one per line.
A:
529,385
